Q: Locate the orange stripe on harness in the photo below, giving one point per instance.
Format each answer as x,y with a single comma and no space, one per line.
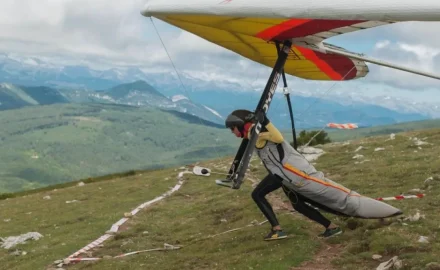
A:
305,176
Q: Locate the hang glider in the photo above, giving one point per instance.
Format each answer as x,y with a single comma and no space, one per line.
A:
288,35
249,28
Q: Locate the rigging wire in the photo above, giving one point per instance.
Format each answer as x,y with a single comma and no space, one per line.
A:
362,116
251,85
180,79
169,57
328,91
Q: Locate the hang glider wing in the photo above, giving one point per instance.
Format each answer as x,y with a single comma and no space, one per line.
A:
252,37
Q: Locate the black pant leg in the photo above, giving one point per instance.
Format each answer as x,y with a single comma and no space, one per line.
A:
298,203
267,185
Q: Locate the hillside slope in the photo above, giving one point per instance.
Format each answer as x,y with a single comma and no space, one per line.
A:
198,216
13,96
343,135
45,145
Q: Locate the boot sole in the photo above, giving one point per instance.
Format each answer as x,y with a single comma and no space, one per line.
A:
278,238
338,233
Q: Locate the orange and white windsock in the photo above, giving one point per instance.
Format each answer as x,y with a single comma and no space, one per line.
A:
401,197
342,126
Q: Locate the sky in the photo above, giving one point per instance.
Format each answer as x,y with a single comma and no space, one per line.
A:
112,33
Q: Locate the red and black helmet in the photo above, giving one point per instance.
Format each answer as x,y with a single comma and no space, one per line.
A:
239,118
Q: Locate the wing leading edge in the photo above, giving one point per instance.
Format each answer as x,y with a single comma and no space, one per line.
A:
253,38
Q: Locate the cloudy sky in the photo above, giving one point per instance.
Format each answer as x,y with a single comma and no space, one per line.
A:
112,33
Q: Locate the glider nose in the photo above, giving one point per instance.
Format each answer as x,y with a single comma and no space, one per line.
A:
398,213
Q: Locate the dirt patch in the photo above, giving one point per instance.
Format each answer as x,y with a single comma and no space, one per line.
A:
278,204
89,119
322,259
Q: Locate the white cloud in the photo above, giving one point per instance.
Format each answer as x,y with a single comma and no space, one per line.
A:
111,33
412,55
425,33
422,51
98,31
382,44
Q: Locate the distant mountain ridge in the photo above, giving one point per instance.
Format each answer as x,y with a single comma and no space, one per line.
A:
141,93
138,93
123,90
12,96
309,112
210,100
33,71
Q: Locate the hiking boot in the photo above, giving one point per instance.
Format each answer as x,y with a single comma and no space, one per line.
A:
330,232
275,235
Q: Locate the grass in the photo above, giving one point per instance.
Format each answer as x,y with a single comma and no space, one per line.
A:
401,167
58,143
344,135
197,210
46,145
68,227
200,209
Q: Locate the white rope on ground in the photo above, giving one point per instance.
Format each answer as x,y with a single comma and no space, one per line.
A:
166,246
115,227
233,230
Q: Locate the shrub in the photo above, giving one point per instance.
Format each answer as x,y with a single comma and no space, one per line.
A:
305,136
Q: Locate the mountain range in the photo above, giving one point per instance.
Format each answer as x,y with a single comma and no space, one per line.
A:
138,94
206,99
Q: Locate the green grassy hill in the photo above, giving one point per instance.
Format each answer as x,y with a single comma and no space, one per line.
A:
197,215
14,96
45,145
343,135
339,135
